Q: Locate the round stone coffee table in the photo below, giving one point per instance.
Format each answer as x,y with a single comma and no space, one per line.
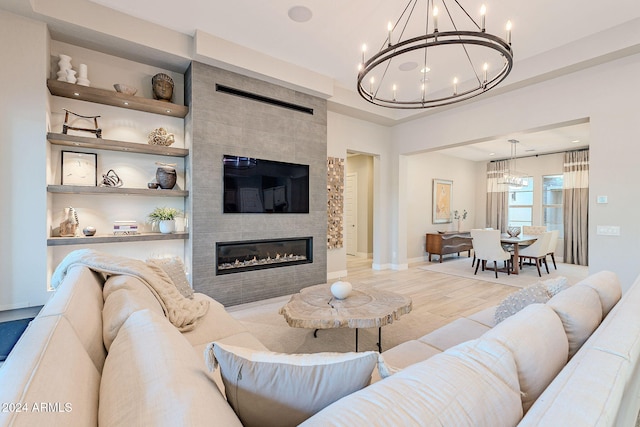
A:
316,308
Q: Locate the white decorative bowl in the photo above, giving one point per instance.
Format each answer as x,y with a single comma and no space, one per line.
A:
341,289
127,90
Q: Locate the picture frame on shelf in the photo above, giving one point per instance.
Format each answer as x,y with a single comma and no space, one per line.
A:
441,204
79,168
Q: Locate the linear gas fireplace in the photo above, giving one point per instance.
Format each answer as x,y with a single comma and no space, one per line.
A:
236,257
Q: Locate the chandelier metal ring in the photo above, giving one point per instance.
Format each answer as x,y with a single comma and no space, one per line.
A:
433,40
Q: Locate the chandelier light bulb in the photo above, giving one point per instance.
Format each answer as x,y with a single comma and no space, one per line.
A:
485,67
390,28
455,85
509,32
435,19
364,50
394,92
483,12
371,84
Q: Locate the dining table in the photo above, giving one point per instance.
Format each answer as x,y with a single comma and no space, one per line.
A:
516,241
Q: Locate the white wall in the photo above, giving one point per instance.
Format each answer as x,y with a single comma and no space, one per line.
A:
602,94
346,133
422,169
23,106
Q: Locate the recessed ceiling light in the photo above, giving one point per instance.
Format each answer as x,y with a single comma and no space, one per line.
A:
408,66
575,141
492,154
300,13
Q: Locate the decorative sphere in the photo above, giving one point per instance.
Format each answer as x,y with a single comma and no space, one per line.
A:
341,289
89,231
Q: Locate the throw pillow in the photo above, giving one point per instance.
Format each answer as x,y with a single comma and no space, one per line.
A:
555,285
174,268
536,293
274,389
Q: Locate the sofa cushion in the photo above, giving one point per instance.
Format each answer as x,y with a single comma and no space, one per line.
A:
153,377
485,317
536,293
454,333
472,384
580,311
406,354
49,366
607,285
536,338
79,299
215,325
174,267
124,295
275,389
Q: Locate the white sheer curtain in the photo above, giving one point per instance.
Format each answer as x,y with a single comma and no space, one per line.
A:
576,207
497,196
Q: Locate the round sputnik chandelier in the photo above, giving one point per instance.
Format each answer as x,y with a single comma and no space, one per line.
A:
453,58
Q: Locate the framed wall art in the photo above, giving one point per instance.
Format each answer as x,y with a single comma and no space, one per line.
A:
442,192
79,168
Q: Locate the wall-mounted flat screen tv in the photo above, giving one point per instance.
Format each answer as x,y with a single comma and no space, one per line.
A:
264,186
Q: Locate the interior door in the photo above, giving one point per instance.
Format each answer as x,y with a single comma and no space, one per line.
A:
351,213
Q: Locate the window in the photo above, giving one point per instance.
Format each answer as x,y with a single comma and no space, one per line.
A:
552,203
521,205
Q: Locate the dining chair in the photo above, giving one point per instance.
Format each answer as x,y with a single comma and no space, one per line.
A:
553,242
537,251
473,263
487,248
534,230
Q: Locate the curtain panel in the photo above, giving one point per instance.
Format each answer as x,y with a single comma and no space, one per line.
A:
497,196
576,207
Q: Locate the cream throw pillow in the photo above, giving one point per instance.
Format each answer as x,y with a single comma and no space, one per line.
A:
274,389
174,267
536,293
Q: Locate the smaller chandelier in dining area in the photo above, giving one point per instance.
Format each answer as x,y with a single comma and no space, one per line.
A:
512,176
435,54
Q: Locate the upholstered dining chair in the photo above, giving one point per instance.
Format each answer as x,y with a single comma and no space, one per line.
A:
534,230
487,248
473,263
553,242
537,251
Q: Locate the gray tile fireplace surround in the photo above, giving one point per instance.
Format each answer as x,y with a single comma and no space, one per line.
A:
221,123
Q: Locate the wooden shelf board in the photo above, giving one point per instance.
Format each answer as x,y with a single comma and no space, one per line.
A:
116,99
78,189
113,145
142,237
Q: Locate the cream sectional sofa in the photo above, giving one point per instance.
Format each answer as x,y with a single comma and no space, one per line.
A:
102,353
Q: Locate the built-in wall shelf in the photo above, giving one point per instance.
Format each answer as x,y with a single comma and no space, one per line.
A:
142,237
113,145
79,189
116,99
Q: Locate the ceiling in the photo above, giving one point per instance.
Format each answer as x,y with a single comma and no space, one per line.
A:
330,41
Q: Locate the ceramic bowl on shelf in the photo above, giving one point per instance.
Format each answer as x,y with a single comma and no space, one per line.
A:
127,90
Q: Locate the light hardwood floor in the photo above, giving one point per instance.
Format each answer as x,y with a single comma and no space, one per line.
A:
444,296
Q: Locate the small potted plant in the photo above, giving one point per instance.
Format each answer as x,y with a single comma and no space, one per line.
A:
165,218
460,217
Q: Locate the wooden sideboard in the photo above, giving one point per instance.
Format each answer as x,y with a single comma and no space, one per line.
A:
448,243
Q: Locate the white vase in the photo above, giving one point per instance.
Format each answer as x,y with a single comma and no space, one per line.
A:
71,76
341,289
167,226
64,64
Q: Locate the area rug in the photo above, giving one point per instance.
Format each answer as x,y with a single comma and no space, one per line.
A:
10,332
528,274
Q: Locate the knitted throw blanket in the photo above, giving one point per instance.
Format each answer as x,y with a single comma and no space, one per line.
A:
182,312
